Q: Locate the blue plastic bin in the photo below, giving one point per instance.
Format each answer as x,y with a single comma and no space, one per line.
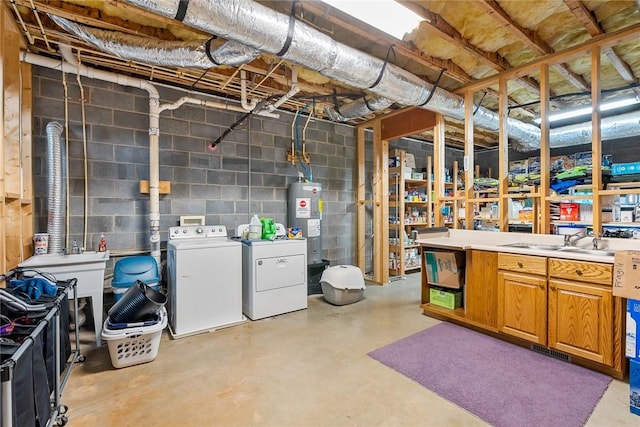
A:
129,269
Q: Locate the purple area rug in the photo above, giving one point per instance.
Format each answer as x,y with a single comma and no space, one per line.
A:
505,385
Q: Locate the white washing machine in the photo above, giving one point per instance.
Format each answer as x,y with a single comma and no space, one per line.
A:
274,277
204,279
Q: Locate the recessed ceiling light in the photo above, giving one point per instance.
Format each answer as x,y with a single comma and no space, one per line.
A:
386,15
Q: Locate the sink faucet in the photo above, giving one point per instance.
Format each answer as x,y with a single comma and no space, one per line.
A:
571,239
596,239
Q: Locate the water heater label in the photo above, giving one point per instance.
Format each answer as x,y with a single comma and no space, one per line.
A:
313,228
303,208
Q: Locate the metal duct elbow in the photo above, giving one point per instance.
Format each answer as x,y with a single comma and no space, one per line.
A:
358,108
193,54
55,221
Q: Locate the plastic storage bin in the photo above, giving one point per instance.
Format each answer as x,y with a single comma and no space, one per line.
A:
129,269
342,284
134,345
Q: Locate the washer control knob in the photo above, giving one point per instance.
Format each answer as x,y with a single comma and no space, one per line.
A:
199,230
184,231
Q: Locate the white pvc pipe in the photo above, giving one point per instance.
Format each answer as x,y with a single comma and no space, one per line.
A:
67,66
292,92
222,106
248,106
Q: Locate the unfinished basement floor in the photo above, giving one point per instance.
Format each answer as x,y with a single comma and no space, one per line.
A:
307,368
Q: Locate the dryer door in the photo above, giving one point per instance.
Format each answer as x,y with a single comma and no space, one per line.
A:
279,272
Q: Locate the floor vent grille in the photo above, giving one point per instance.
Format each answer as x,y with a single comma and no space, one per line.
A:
548,352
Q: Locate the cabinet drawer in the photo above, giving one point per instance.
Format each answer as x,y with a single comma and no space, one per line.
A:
581,271
523,263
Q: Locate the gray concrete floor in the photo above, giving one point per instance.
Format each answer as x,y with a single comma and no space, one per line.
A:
307,368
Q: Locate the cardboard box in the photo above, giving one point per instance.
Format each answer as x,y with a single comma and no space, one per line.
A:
445,269
562,163
445,298
632,341
518,166
409,160
626,274
634,386
533,164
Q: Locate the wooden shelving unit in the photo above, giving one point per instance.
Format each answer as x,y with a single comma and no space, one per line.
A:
404,257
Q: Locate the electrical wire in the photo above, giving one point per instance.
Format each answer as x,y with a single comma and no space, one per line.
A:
307,173
66,157
84,151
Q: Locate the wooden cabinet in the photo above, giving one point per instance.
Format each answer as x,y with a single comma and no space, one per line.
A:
562,305
571,310
522,306
581,309
482,288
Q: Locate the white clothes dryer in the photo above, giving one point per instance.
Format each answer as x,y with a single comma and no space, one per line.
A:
274,278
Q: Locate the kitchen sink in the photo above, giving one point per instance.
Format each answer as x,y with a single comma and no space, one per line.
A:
534,246
600,252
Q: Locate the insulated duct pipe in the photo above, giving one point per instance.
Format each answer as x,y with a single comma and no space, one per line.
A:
55,223
358,108
187,54
264,29
269,31
67,66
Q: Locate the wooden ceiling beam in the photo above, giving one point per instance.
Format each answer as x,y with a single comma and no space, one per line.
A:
606,40
532,40
590,22
442,28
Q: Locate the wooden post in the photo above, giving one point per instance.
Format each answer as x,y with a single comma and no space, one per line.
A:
545,163
361,243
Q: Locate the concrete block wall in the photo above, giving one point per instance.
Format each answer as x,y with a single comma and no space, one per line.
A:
248,173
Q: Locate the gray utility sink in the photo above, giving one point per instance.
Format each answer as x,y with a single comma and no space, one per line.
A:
572,249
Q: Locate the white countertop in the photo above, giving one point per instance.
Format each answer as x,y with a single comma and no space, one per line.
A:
496,241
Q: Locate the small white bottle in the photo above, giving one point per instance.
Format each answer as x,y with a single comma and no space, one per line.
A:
255,228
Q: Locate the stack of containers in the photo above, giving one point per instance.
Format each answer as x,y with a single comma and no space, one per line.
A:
626,284
129,269
133,328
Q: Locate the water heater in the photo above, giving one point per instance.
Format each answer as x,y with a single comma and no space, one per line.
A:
305,212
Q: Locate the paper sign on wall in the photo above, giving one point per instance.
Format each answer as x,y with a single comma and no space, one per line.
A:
303,208
313,228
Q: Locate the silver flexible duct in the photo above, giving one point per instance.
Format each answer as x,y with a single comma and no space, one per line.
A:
55,221
622,126
358,108
191,54
264,29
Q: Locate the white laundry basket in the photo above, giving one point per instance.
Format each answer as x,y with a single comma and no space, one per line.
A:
134,345
342,284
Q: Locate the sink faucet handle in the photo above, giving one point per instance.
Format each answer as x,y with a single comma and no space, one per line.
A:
596,239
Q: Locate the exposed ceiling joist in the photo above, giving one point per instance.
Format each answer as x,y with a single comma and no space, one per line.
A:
374,35
532,40
445,30
587,18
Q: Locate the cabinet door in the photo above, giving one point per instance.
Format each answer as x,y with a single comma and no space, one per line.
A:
522,306
580,320
482,287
